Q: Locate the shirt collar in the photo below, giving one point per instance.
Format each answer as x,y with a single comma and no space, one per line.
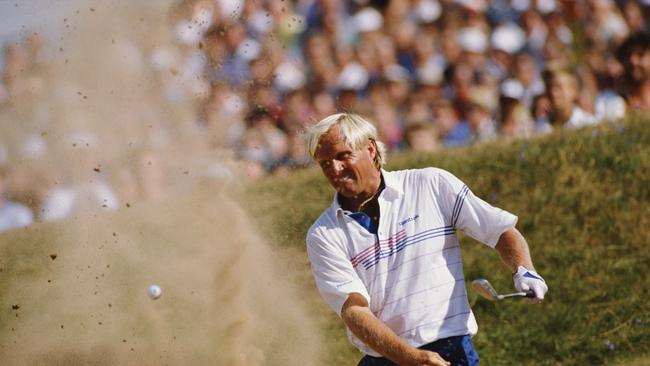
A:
393,187
392,191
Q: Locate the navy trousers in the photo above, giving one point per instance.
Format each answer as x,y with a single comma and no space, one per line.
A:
457,350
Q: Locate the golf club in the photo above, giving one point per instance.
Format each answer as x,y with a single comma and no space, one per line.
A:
485,289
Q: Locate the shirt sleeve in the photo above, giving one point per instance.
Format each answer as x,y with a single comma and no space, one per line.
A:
333,272
469,213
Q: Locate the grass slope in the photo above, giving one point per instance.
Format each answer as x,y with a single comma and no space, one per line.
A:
582,198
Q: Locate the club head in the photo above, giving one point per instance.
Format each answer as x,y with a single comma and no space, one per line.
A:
485,289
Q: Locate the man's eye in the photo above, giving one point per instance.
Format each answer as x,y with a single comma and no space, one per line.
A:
325,164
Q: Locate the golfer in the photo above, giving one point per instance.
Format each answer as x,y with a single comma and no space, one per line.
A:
385,254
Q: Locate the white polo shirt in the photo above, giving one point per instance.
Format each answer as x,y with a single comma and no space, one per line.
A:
411,272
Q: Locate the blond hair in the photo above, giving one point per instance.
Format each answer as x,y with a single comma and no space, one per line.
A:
357,133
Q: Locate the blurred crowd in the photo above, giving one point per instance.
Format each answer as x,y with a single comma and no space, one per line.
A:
431,74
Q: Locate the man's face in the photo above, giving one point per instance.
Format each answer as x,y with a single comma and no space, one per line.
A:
640,65
563,92
351,172
525,69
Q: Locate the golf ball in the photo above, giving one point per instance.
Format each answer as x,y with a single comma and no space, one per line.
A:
154,291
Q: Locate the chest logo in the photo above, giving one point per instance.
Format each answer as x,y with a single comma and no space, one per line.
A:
404,222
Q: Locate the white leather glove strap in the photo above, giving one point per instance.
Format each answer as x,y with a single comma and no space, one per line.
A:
525,280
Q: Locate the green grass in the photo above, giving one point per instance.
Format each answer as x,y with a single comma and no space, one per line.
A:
583,201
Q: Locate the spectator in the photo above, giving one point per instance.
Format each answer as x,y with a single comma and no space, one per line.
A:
420,136
398,84
231,65
417,109
563,91
541,111
453,131
264,142
536,32
388,125
297,155
479,117
608,104
506,40
527,73
324,104
607,25
298,110
223,116
634,54
634,15
516,119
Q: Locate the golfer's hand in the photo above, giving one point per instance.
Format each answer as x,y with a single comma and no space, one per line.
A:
525,280
424,358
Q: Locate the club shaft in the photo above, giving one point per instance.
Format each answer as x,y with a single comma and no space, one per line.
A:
514,294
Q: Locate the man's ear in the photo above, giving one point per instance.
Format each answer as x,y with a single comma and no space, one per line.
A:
372,148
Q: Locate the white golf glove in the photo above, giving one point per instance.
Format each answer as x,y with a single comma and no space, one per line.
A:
530,280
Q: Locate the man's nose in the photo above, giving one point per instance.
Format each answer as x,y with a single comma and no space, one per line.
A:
336,167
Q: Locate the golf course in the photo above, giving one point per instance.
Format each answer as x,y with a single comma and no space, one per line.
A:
236,284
